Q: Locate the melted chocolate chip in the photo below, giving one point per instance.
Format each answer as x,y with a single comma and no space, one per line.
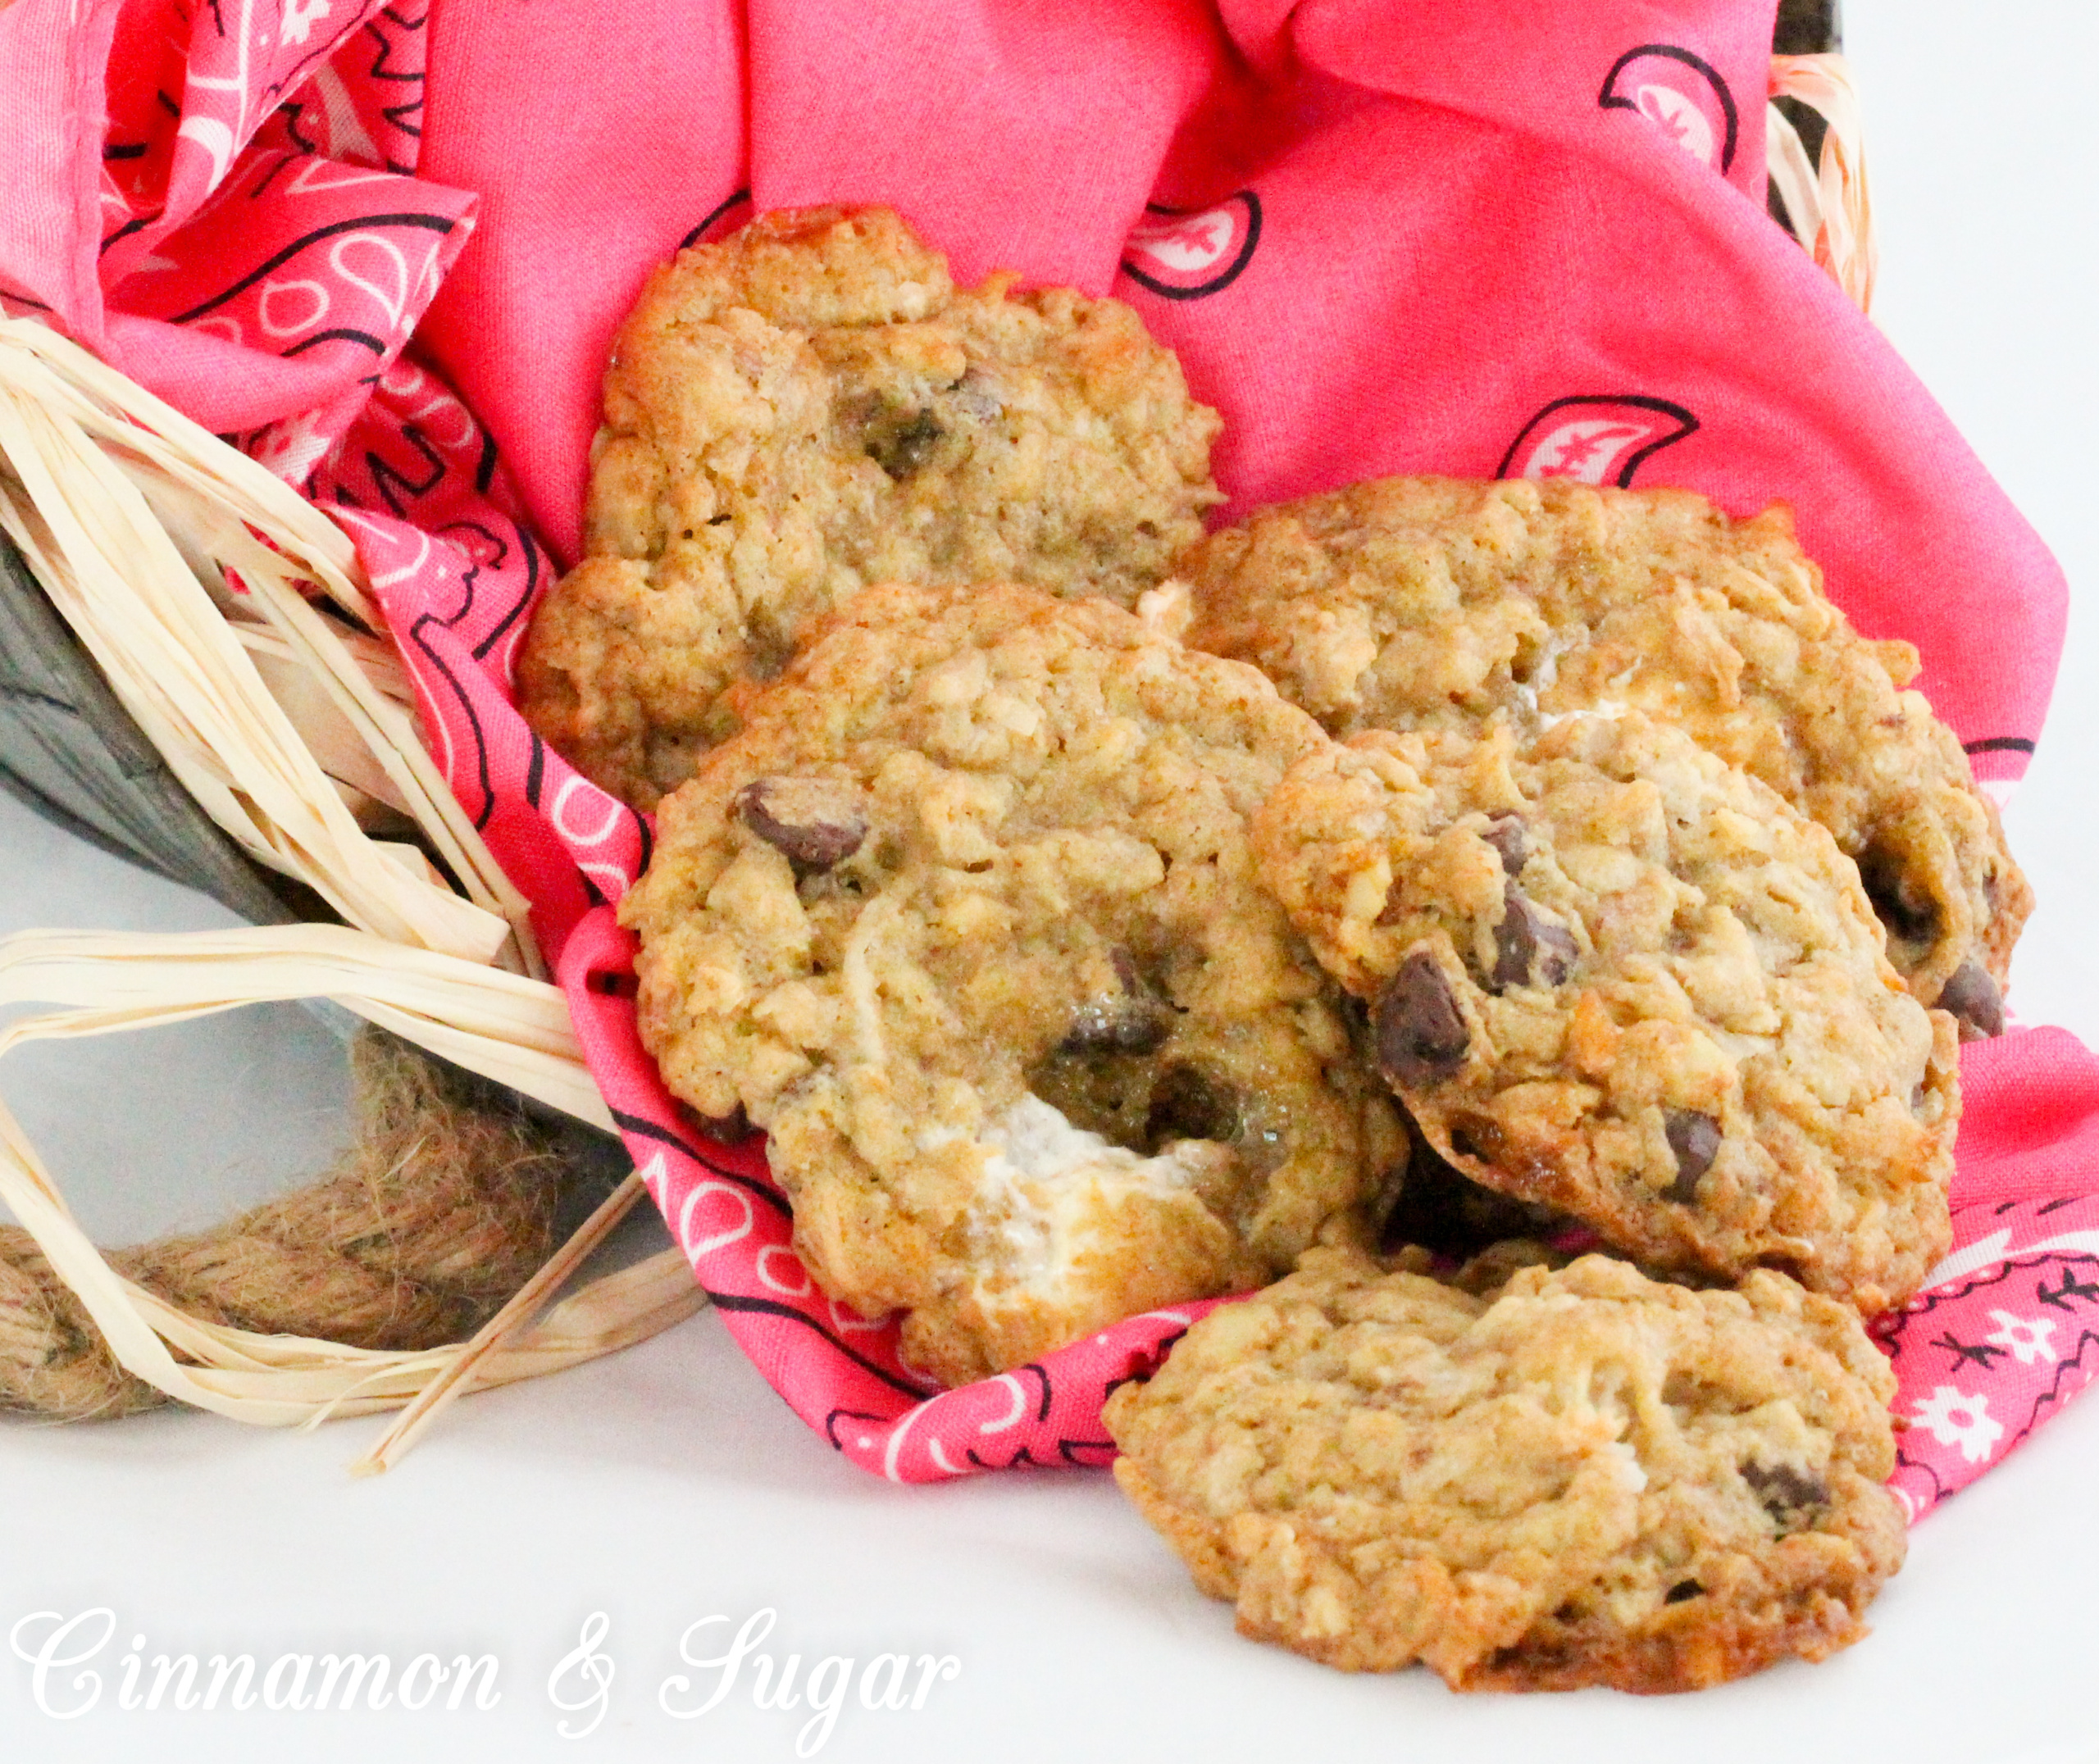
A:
1442,1209
1695,1139
1522,1168
1907,912
1422,1036
1791,1497
903,442
1680,1591
1531,947
1506,833
1187,1103
1973,998
814,822
1134,1020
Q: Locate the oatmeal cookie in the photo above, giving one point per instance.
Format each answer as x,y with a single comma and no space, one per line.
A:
1427,602
1584,1478
965,918
811,406
1612,976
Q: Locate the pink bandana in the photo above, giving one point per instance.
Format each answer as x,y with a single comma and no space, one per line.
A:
1482,238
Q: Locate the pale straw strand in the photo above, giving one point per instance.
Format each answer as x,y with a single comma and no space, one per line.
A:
118,503
1841,238
504,1026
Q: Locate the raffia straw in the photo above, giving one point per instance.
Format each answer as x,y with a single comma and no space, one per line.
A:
444,1202
131,517
464,1371
504,1026
1793,175
1842,238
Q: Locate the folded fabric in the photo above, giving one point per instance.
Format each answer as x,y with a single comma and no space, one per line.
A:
1480,239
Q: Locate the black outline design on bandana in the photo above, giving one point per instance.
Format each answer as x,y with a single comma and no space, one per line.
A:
1634,460
713,215
1608,100
1215,284
355,223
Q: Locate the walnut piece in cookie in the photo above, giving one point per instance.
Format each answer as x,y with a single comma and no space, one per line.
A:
1408,603
1611,975
965,918
810,406
1584,1477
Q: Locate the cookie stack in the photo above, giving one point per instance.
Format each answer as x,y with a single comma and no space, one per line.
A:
1397,894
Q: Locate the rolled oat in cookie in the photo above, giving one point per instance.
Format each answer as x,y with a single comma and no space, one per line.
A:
1611,975
965,918
1582,1477
810,406
1409,603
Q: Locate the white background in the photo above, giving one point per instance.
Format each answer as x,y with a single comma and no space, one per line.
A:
670,1484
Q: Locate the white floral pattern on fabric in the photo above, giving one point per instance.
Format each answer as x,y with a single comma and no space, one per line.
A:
293,447
2030,1339
300,17
1955,1418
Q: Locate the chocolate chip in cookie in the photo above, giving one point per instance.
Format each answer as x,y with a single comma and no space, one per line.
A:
811,406
1131,1019
1506,833
1422,1035
814,822
1793,1498
1531,947
1974,1002
1694,1137
1576,1476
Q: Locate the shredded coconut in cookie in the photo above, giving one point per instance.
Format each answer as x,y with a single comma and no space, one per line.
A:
965,918
811,406
1614,976
1579,1477
1418,604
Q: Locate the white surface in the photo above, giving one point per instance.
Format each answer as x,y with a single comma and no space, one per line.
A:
670,1486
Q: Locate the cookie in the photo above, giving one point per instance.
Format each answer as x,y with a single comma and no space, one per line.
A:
965,918
811,406
1614,976
1585,1478
1427,602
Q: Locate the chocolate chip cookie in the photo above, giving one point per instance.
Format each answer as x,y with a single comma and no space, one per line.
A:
810,406
1585,1478
965,918
1427,602
1612,976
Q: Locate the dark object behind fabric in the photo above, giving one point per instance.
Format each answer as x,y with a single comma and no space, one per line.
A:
72,753
1804,27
